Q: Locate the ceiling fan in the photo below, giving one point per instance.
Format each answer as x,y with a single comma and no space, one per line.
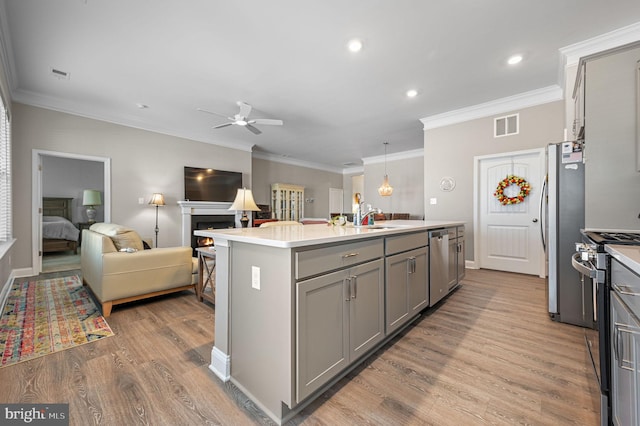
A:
242,119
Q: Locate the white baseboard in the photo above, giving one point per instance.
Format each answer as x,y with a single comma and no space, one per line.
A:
4,294
23,272
470,264
220,364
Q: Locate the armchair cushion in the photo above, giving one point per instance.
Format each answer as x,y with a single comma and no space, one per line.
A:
121,236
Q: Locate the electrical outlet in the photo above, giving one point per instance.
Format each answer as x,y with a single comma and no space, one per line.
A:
255,277
433,201
140,200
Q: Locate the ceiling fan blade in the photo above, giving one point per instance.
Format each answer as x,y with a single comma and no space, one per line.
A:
252,129
220,126
214,113
245,109
267,121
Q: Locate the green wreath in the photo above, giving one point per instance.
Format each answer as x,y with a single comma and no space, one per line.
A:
525,188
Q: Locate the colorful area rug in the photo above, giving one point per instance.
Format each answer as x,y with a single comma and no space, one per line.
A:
47,316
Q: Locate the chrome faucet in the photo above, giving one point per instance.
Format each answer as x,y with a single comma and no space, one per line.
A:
358,216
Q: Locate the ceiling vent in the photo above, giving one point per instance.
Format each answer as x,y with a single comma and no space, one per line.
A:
506,126
62,75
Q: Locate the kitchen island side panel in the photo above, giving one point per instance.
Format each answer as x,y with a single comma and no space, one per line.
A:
262,324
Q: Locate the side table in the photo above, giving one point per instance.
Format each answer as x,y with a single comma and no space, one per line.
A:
206,274
81,226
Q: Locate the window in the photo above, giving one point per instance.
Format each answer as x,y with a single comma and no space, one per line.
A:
5,174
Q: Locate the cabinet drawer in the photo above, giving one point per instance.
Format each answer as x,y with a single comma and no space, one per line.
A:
326,259
405,242
460,231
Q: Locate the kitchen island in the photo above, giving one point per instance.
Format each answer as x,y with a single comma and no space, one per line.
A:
298,307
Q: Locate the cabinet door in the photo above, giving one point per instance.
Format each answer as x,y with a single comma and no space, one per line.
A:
322,345
366,307
623,375
461,259
453,264
397,291
418,280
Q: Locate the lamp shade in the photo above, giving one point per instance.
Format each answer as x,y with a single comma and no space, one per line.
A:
244,201
157,199
91,197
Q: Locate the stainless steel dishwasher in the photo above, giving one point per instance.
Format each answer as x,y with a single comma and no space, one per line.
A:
438,265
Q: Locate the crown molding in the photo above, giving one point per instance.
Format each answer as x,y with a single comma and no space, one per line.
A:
64,106
296,162
571,54
498,106
414,153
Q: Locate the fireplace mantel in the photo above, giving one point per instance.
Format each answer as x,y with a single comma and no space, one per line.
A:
195,208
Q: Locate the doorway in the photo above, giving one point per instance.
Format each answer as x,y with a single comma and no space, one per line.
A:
83,164
507,237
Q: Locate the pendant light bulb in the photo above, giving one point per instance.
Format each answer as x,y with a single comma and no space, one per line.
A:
385,189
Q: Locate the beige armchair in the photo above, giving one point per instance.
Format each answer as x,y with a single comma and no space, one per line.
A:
116,276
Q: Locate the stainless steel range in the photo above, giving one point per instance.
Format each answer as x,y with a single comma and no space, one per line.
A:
594,264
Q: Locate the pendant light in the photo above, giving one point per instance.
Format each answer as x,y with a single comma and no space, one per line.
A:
385,189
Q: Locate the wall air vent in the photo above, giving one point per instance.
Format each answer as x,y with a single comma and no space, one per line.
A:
506,126
62,75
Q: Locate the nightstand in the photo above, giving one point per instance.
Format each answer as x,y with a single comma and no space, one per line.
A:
81,226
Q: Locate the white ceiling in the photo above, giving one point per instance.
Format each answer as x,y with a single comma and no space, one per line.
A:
288,59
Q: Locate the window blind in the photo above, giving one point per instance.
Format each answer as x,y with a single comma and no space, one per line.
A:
6,232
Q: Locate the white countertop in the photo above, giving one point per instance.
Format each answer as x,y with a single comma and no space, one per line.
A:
306,235
628,255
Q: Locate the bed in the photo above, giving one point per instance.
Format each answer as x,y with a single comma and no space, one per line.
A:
58,233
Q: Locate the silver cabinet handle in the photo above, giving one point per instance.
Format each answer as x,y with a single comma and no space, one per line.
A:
411,265
354,286
347,288
345,256
624,289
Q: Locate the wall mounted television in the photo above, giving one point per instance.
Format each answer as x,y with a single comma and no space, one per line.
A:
211,185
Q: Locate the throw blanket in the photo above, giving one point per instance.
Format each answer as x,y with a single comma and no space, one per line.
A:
59,228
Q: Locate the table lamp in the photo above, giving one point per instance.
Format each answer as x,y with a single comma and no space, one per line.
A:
244,202
90,199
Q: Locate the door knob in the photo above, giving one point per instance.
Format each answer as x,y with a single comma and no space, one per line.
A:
535,219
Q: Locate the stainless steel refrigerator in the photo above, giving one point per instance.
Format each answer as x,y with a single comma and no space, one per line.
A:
570,296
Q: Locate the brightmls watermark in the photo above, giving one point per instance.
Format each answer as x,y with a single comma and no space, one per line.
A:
34,414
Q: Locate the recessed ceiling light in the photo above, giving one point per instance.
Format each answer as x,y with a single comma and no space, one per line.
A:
412,93
142,106
355,45
515,59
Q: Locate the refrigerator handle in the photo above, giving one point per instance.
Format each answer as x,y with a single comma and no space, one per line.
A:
542,215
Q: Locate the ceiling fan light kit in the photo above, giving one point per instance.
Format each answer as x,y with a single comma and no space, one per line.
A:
242,119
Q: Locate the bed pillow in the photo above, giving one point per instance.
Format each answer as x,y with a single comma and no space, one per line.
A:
121,236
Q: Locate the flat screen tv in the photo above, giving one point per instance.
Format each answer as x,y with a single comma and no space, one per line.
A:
211,185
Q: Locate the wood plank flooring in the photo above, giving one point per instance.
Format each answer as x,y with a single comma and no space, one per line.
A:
488,355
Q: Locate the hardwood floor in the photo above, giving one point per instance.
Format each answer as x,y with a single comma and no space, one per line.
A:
488,355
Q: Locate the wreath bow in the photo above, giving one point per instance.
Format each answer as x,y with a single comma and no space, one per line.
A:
525,188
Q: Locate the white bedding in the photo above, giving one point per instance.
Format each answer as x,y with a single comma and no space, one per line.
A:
59,228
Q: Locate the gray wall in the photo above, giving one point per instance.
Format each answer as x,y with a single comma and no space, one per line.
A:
613,196
142,163
450,151
316,184
69,177
406,176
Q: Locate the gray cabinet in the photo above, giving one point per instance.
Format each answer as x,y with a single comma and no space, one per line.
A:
340,316
406,279
460,254
452,259
625,356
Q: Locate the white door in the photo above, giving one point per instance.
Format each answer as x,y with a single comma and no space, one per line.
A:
336,200
508,236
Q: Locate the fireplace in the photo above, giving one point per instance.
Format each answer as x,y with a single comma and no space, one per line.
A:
199,222
205,215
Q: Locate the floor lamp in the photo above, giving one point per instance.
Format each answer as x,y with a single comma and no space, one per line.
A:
157,200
